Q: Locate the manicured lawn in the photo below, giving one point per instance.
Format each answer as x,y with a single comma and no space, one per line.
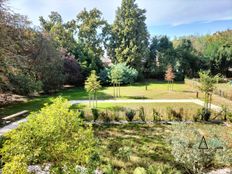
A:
189,109
145,145
156,90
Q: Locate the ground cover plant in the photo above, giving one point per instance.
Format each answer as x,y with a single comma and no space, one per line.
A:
148,147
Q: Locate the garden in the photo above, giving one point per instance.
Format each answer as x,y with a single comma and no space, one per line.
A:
88,96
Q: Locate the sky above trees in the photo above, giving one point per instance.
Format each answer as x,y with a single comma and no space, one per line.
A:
172,18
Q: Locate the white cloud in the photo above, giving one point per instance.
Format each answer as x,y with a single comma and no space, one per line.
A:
159,12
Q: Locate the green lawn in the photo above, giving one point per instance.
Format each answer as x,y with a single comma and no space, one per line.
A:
145,145
156,90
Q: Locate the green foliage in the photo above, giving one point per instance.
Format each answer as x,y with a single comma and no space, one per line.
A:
105,116
124,153
185,142
125,43
92,84
105,76
202,114
161,55
82,114
90,25
24,84
223,59
142,113
130,113
207,86
95,114
139,170
156,115
55,132
175,115
123,74
162,169
16,166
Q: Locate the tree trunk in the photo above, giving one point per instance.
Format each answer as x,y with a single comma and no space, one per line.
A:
119,90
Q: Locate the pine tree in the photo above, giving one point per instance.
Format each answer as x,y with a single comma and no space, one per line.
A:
92,85
129,40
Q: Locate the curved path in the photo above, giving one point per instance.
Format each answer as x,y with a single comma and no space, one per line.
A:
196,101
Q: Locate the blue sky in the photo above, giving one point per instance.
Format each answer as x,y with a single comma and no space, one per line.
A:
169,17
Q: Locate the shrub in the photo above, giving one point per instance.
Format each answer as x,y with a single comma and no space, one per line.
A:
203,114
156,115
55,132
24,84
197,116
142,113
130,114
105,117
124,73
116,111
104,76
172,114
162,169
81,114
139,170
95,114
169,113
185,141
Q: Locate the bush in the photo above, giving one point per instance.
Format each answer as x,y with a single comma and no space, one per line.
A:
156,115
95,114
124,73
46,137
142,113
185,141
105,117
105,76
24,84
202,114
130,114
174,115
139,170
82,114
197,116
162,169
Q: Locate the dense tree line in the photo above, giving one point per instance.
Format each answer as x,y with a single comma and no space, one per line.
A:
59,52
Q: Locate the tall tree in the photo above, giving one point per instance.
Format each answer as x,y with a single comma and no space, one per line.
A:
90,25
129,35
223,59
62,33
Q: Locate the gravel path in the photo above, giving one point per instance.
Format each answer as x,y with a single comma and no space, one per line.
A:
196,101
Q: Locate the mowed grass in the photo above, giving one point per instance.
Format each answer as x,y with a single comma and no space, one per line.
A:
189,109
155,90
147,144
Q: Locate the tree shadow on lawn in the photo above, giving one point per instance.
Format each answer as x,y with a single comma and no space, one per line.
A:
146,141
158,82
36,103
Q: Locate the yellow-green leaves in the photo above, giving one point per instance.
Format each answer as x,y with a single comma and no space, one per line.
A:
54,135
